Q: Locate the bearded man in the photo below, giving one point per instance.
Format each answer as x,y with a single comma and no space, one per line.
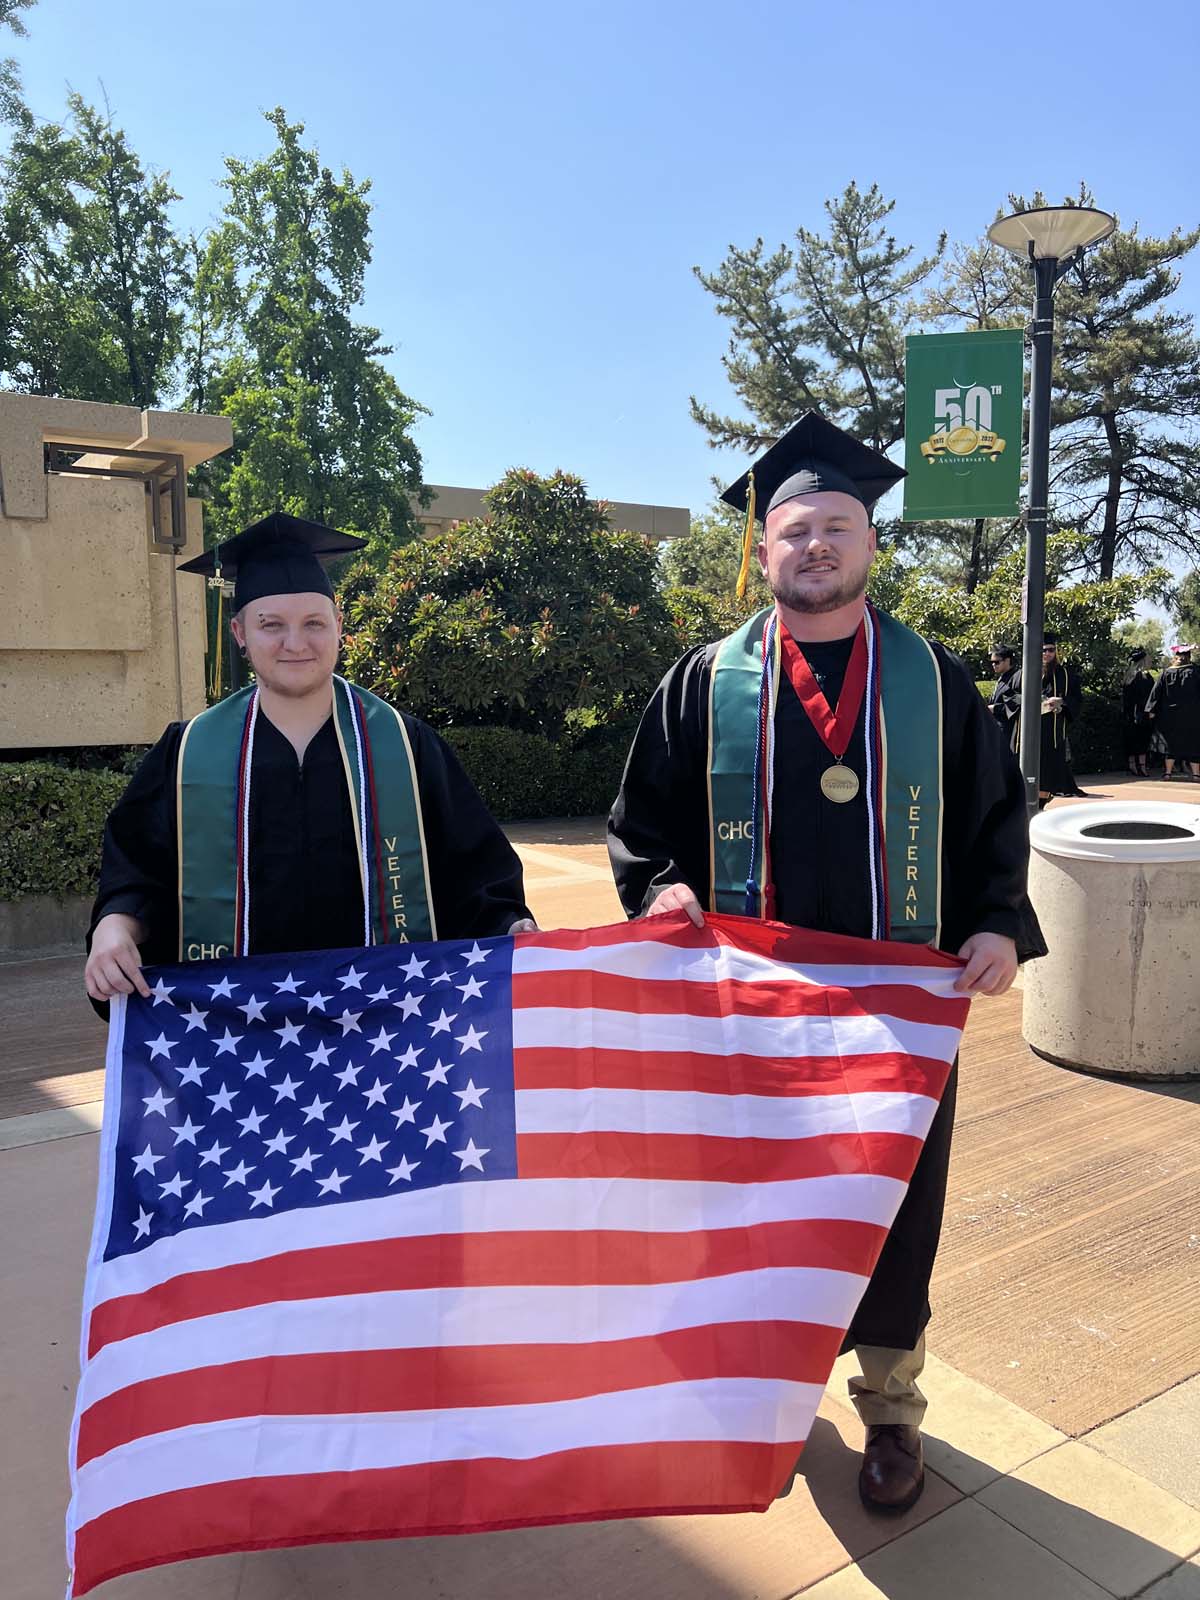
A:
302,813
829,768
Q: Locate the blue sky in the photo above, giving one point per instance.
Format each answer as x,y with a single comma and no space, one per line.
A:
545,176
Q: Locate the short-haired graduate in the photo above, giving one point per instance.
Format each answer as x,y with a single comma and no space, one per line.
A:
302,813
820,684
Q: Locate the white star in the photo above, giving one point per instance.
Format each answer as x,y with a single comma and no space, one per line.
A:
228,1045
162,991
316,1002
288,986
254,1009
251,1123
381,994
320,1057
195,1206
304,1163
186,1132
436,1074
334,1181
472,989
407,1112
472,1156
289,1034
409,1058
352,979
372,1151
258,1067
471,1040
442,977
191,1073
238,1174
348,1076
376,1093
442,1025
162,1046
470,1096
157,1102
278,1145
381,1041
285,1090
436,1130
414,968
195,1019
475,955
224,987
146,1162
175,1186
410,1006
318,1109
343,1131
223,1099
213,1154
349,1022
141,1227
264,1196
405,1170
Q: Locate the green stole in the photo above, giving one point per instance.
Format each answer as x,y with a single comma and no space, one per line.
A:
908,775
395,872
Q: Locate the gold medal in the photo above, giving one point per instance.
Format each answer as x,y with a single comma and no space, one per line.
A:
839,783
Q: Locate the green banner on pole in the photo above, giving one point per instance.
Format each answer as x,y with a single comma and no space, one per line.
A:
962,424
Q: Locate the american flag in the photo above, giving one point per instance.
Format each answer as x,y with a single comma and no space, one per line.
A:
459,1236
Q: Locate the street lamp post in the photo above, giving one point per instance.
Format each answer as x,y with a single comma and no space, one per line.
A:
1049,237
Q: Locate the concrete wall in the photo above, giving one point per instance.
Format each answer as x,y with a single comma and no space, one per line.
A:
450,505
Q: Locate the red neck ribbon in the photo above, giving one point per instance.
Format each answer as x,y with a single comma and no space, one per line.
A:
835,728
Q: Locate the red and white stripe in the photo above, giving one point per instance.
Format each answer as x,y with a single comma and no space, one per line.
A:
715,1129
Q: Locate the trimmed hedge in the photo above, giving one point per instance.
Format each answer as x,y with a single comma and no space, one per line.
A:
528,775
51,825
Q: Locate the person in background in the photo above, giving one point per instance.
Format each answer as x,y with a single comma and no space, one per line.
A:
1003,704
1136,726
1062,701
1174,707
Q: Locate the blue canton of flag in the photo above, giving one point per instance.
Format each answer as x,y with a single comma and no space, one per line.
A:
358,1074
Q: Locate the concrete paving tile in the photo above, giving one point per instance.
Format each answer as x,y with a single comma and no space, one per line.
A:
972,1434
1182,1584
1101,1518
1158,1441
968,1553
39,1127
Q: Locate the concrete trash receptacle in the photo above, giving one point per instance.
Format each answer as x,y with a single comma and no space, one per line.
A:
1116,886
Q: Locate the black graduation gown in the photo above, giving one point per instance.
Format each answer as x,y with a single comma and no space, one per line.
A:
1175,703
1003,704
1054,773
658,834
305,886
1136,725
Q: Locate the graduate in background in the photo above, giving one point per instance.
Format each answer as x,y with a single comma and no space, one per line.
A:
299,814
1003,704
1062,701
1174,707
1136,725
754,785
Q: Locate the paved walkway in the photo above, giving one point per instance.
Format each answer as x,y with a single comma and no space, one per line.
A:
1064,1425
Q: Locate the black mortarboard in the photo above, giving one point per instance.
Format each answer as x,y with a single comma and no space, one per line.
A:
1049,638
814,457
1003,650
1138,655
279,555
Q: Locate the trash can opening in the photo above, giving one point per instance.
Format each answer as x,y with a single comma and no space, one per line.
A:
1136,830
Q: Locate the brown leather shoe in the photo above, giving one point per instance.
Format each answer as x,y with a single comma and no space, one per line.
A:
893,1468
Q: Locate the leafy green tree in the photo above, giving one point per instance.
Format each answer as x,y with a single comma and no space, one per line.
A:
709,556
1126,453
529,617
13,109
1146,633
820,324
321,428
92,273
1185,608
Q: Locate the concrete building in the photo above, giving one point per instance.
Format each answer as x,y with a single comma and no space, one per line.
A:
451,505
99,644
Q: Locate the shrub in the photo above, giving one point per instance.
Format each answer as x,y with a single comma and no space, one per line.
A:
51,826
523,774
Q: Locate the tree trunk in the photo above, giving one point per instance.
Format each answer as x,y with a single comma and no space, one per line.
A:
975,563
1112,499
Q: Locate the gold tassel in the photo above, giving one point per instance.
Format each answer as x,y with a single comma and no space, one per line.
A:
747,543
217,676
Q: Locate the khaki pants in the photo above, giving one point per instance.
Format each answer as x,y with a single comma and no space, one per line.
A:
887,1389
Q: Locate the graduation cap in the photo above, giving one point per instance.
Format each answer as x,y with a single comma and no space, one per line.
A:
279,555
813,457
1049,638
1002,650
